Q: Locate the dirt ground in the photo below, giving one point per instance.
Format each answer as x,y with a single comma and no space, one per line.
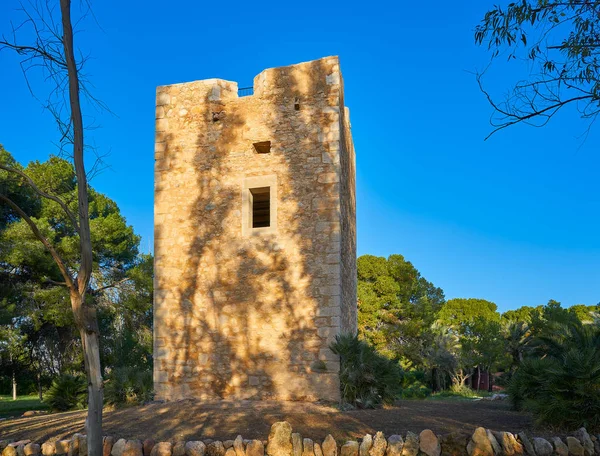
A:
193,420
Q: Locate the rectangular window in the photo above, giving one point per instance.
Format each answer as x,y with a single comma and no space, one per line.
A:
261,207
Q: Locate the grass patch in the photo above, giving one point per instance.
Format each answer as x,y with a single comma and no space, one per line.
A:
10,408
449,395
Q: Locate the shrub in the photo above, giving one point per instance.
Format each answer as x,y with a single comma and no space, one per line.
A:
67,392
367,378
562,387
414,385
128,386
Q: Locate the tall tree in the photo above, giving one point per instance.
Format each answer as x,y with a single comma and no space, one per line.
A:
560,40
53,49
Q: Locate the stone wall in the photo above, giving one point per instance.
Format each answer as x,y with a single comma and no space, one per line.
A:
283,442
244,312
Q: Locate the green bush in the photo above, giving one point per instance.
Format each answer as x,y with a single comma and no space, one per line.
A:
367,378
128,386
414,385
561,387
67,392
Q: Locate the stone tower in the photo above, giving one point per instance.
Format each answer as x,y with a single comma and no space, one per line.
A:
255,236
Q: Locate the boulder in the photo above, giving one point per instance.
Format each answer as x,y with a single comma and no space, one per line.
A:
147,446
107,444
479,445
62,446
296,444
411,444
575,447
4,443
308,447
429,443
586,441
542,447
195,448
280,439
230,451
329,446
394,445
162,449
494,441
83,446
74,448
527,445
454,444
133,448
48,449
238,446
379,445
349,448
509,444
215,448
179,449
32,449
10,450
365,445
559,447
255,448
318,449
227,444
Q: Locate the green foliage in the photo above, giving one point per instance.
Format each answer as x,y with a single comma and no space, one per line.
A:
68,392
367,378
559,40
413,385
396,307
560,384
128,386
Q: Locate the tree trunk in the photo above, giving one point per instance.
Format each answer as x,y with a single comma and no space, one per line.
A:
14,386
39,379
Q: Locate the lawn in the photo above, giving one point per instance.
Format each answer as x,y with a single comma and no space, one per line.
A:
10,408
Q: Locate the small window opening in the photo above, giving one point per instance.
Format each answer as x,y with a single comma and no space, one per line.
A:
261,207
297,104
263,147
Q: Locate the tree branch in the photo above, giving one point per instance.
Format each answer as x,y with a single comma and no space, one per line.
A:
38,234
40,192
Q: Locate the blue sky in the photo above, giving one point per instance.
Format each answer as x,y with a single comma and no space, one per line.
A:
513,219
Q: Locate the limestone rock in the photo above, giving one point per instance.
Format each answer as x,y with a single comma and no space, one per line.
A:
162,449
329,446
379,445
586,441
107,444
227,444
296,444
83,447
195,448
215,449
10,450
575,447
429,443
74,448
510,446
542,447
527,445
147,446
365,445
133,448
230,451
280,439
62,447
349,448
31,449
48,449
394,445
255,448
4,443
596,445
308,447
179,449
454,444
479,444
559,447
238,446
318,449
495,445
411,444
